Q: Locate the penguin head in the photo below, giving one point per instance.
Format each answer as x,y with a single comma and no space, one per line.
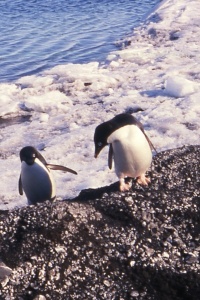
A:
28,154
101,135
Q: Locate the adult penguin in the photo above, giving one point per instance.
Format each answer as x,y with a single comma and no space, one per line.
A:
129,145
36,179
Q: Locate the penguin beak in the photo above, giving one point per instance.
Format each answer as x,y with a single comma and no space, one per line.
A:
96,154
98,148
97,151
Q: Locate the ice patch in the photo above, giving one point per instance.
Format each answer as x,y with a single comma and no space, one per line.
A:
53,101
176,86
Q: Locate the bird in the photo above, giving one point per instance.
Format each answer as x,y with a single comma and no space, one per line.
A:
128,145
35,178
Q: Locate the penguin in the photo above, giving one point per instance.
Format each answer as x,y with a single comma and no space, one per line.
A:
36,179
128,145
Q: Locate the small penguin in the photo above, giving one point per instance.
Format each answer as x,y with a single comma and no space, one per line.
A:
129,145
35,178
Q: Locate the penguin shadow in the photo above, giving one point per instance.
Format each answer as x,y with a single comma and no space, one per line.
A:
112,203
97,193
117,209
93,194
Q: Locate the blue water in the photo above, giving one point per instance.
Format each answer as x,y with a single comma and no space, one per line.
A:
37,35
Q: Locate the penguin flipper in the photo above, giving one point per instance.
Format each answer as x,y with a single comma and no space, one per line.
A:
110,156
150,143
61,168
20,185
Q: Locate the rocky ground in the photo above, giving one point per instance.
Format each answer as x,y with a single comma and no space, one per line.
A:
142,244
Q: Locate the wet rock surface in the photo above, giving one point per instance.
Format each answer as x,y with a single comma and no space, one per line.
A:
142,244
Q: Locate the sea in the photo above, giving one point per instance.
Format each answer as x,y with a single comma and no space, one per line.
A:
38,35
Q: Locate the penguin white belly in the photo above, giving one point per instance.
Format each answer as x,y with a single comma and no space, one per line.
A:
37,182
131,150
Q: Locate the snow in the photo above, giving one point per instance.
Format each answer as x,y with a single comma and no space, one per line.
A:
157,77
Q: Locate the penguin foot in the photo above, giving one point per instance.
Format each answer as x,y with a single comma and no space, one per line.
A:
143,180
124,185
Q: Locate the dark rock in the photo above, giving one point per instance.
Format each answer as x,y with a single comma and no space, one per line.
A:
5,122
4,271
174,35
142,244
